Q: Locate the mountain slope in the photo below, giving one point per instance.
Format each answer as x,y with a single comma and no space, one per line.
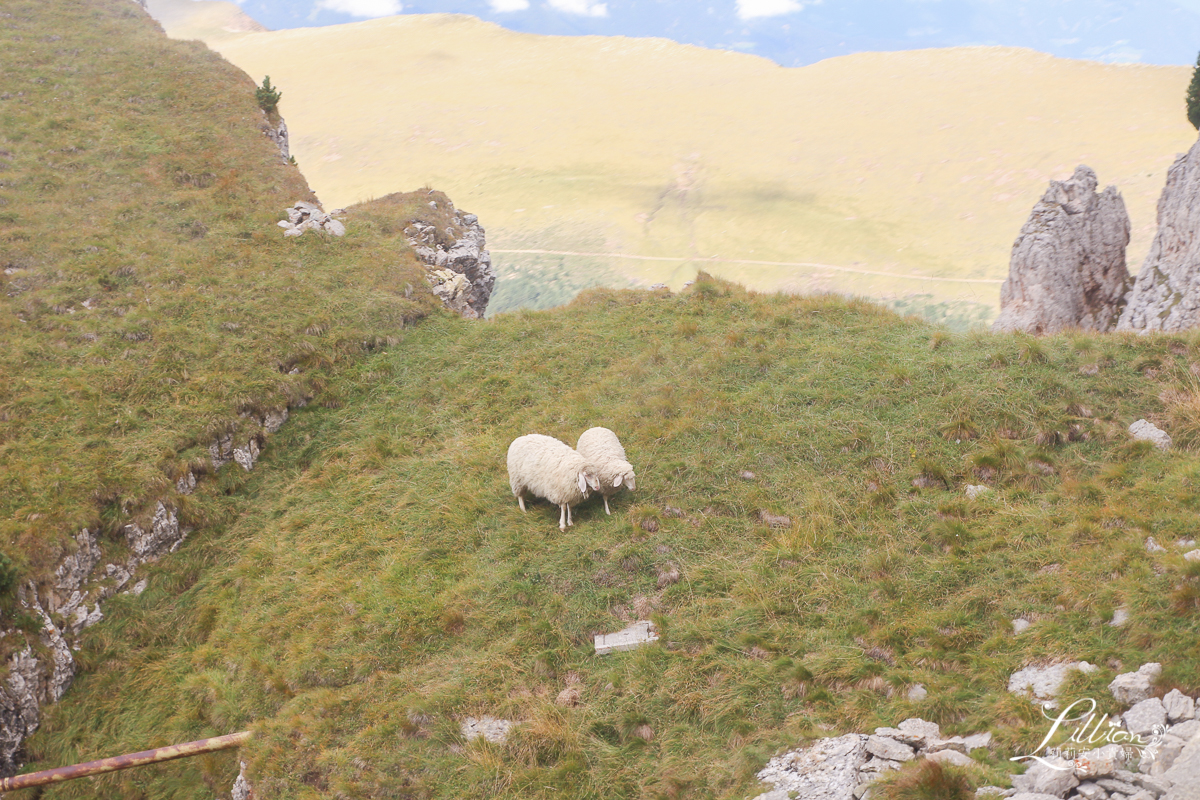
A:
382,586
919,165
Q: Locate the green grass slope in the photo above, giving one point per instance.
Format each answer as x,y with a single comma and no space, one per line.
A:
147,300
380,584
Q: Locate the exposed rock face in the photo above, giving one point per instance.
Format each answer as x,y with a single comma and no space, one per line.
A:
1068,263
1166,295
72,602
277,133
462,276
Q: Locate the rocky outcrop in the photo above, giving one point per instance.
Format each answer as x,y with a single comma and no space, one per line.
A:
462,275
276,130
1166,295
70,602
308,217
1068,264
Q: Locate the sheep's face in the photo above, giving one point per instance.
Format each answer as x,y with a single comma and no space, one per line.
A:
586,481
626,479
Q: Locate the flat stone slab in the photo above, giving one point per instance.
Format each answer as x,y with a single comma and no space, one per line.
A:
952,757
889,749
491,728
639,633
1041,682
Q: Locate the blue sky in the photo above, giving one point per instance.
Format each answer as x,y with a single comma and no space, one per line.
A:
798,32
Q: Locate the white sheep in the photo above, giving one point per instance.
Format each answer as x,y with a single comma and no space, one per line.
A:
543,466
605,458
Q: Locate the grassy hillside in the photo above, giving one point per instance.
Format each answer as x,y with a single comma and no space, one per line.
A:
380,583
664,158
148,303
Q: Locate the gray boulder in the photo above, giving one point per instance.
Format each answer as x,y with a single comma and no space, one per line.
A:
1134,687
1051,776
1067,268
1145,716
1179,706
1166,294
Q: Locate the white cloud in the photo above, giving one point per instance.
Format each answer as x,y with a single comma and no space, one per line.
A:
751,9
501,6
585,7
362,8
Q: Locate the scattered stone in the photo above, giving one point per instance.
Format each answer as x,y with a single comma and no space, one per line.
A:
1164,296
1153,546
917,693
1050,776
490,728
1184,773
1134,687
639,633
746,475
1148,432
1179,706
1101,762
878,766
1067,268
1119,618
138,587
977,740
241,786
828,769
1186,543
1088,669
1033,796
305,216
1114,785
1185,730
1090,791
1194,555
1020,625
974,491
774,520
889,749
952,757
990,792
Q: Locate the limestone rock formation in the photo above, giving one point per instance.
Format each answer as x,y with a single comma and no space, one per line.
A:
462,276
305,216
1166,295
277,132
1068,264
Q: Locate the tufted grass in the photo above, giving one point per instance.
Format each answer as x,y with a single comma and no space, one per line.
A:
147,300
379,584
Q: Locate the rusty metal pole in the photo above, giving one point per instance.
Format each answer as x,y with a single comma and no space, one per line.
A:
125,762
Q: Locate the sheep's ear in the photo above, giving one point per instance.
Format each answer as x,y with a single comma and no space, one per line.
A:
582,483
617,482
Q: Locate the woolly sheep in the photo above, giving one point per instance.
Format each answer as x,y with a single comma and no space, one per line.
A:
543,466
605,458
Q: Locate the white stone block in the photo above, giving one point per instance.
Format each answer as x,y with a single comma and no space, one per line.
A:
639,633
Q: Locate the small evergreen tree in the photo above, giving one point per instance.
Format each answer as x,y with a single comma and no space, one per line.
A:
1193,97
267,96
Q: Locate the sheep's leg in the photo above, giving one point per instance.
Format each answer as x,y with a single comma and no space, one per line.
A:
606,511
569,514
562,517
521,501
